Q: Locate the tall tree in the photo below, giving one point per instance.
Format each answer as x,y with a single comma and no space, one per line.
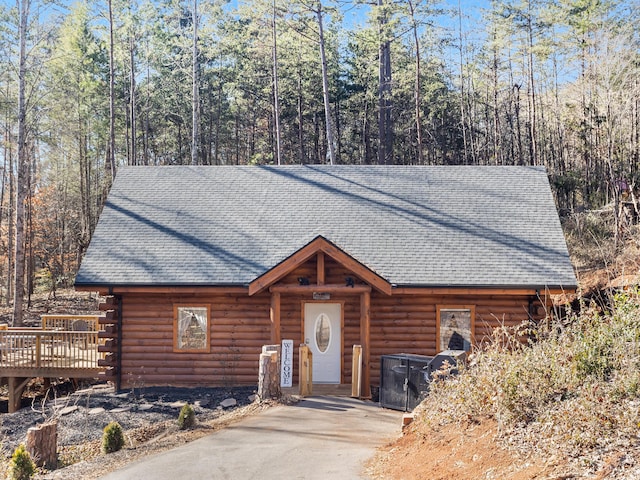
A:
195,93
22,179
111,150
276,86
385,104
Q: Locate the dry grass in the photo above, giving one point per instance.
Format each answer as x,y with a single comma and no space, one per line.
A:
573,391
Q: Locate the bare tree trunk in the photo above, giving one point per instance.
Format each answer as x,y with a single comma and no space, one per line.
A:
22,182
463,117
385,148
533,141
5,175
418,87
218,145
111,160
132,98
366,134
30,235
276,102
325,88
301,148
497,150
147,108
10,230
195,110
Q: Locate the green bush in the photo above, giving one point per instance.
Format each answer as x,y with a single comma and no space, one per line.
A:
187,417
22,467
112,438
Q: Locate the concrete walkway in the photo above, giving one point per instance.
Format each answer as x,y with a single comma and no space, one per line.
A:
317,438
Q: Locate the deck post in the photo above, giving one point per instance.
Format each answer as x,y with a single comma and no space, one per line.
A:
16,386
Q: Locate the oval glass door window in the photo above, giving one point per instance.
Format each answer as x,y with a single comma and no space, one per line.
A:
323,333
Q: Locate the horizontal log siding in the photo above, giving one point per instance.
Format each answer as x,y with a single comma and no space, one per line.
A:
407,323
307,270
239,326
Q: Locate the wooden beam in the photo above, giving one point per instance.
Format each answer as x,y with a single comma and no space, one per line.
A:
320,268
274,314
365,341
331,288
476,291
357,268
161,289
283,268
50,372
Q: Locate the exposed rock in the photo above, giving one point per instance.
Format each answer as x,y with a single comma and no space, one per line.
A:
228,402
120,410
68,410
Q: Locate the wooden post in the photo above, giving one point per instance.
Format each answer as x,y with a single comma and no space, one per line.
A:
42,445
274,314
305,372
365,336
356,371
16,387
320,268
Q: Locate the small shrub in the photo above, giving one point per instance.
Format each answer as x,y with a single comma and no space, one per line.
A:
22,467
112,438
187,417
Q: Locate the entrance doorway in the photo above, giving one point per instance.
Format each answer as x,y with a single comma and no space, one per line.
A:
323,335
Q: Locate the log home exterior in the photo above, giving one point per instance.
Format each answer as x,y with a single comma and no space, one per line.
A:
204,265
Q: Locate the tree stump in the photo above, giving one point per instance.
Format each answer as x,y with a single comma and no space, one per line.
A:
269,375
42,444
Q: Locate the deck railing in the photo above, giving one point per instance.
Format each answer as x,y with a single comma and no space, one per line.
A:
70,322
38,348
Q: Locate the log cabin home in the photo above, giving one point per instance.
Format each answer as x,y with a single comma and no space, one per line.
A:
203,265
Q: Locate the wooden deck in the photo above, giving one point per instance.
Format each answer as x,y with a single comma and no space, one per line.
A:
55,352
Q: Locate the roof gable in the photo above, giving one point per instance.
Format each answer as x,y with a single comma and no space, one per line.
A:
454,226
319,244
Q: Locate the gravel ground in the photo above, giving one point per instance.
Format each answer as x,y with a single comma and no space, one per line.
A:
146,416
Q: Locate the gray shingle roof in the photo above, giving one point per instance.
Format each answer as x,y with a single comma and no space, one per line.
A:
412,225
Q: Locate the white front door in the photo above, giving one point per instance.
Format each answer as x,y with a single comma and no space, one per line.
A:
322,322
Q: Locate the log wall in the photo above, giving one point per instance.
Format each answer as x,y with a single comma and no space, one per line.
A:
240,325
407,323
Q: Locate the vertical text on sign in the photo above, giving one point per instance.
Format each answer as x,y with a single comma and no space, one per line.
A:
286,369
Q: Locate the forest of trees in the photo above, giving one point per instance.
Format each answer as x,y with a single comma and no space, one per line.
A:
97,84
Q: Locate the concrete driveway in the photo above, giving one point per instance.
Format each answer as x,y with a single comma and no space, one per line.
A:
317,438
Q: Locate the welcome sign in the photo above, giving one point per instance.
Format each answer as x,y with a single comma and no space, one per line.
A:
286,367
